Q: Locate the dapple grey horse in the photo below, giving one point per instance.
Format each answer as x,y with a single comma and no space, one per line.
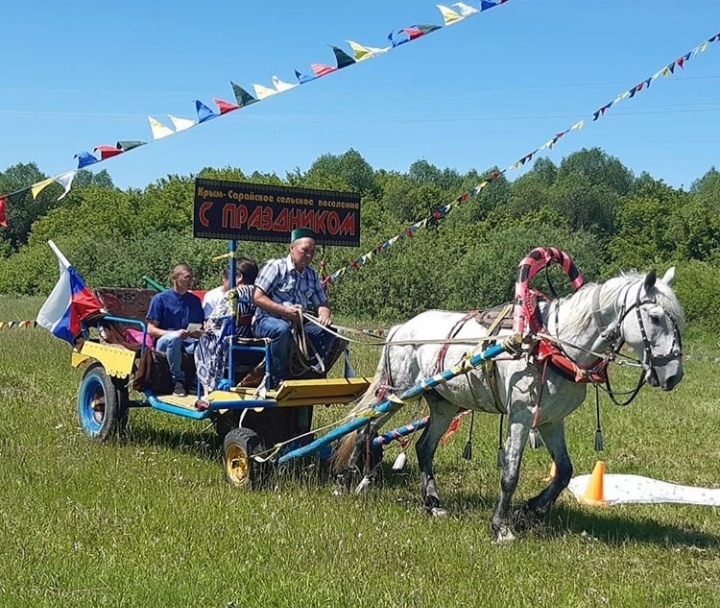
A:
638,310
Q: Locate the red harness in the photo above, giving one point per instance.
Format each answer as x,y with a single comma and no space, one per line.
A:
527,314
547,351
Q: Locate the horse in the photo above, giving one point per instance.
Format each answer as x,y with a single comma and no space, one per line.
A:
590,326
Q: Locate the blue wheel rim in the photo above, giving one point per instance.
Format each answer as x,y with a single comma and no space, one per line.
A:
91,418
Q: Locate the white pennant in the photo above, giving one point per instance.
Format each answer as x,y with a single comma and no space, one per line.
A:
282,86
181,124
66,180
158,129
465,10
262,92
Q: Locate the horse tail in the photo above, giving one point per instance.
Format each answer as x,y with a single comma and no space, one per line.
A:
343,452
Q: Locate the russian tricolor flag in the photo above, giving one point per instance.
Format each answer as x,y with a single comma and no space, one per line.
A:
69,302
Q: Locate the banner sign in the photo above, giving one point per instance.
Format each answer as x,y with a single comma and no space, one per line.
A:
263,212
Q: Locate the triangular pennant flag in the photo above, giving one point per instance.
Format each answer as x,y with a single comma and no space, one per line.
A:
128,145
465,10
223,106
364,52
415,31
680,62
85,159
485,5
65,180
303,78
242,97
342,58
578,125
2,323
107,151
449,15
203,112
397,41
621,96
3,216
264,92
158,129
282,86
40,186
181,124
320,69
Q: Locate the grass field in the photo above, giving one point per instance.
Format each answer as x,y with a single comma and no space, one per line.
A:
150,522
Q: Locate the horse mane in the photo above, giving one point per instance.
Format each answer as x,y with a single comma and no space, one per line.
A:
610,294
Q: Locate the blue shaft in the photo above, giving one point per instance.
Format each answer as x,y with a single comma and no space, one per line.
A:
401,432
387,405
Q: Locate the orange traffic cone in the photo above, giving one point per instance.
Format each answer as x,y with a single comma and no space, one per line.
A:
594,494
552,474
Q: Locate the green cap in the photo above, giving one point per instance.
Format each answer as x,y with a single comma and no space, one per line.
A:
302,233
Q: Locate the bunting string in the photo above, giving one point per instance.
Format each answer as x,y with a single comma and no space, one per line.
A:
441,212
18,324
451,15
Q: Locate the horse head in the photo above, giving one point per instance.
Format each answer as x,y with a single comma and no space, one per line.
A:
651,321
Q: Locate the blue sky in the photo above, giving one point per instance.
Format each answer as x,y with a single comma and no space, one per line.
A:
480,93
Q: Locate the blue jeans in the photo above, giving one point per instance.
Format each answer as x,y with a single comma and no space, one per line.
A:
173,346
279,331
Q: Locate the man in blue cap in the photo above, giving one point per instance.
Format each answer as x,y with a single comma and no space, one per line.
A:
284,287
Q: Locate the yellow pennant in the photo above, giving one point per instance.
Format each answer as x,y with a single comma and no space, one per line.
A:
364,52
40,186
449,15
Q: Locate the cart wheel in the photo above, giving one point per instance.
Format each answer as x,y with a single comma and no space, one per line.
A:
240,470
103,404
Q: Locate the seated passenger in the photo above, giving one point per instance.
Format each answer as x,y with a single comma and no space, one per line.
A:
284,287
212,298
212,348
169,317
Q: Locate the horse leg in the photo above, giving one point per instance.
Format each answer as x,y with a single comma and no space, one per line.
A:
553,435
357,458
441,415
509,476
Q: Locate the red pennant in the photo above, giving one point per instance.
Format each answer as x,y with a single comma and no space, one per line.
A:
225,106
413,32
320,69
3,217
107,151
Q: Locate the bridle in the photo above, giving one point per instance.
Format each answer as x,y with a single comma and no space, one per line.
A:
611,340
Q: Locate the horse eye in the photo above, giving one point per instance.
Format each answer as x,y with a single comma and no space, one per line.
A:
655,319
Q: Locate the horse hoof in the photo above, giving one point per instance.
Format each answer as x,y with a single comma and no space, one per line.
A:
438,512
363,486
503,537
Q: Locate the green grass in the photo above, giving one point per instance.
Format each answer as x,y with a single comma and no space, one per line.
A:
150,522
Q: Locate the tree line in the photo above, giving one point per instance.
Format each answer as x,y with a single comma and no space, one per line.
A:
590,205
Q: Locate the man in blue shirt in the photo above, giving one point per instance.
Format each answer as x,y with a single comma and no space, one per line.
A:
284,287
169,317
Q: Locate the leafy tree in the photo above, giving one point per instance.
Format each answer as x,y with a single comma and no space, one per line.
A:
599,169
350,168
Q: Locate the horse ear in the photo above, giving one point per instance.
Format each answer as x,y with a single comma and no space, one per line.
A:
650,280
669,276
